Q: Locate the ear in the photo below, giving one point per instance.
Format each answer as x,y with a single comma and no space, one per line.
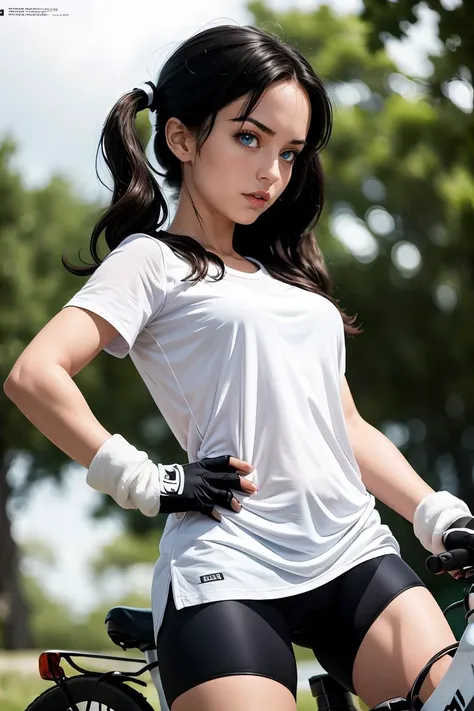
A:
180,140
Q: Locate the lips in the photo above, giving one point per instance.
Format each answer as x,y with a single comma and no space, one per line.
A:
257,202
259,194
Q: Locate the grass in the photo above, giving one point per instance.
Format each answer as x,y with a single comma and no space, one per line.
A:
16,691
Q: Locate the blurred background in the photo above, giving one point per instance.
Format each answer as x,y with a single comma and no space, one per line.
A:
397,233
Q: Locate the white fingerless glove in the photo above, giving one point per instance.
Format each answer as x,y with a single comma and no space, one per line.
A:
433,515
127,475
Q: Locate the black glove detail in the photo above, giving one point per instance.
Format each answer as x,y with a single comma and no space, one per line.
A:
460,534
198,486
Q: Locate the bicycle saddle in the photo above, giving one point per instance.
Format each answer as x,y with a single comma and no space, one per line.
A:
130,627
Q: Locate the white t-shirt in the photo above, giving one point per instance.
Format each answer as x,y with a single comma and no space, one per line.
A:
252,367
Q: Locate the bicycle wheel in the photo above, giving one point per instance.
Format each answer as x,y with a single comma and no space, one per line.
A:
90,696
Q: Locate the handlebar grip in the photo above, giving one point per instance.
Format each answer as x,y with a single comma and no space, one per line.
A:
451,560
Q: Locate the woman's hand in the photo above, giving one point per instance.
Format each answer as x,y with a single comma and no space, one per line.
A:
459,534
135,482
200,486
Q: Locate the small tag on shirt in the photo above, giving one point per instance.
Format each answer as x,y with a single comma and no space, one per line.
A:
211,577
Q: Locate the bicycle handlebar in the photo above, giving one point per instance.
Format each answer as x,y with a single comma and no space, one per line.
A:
451,560
459,543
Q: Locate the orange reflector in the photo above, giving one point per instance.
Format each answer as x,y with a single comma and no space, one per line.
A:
49,668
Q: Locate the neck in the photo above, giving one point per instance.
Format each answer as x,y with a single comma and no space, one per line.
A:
218,246
214,232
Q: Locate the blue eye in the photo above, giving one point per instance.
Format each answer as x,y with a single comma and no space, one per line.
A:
295,153
248,135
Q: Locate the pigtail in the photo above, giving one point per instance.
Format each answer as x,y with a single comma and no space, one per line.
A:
138,204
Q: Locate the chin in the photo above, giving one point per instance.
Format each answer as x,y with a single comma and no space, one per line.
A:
249,219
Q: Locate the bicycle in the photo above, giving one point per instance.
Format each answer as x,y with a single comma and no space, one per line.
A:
132,628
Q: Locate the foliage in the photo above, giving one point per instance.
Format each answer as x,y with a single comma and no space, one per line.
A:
126,550
454,52
54,624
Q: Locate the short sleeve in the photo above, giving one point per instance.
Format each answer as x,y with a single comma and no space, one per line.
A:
128,290
341,350
342,361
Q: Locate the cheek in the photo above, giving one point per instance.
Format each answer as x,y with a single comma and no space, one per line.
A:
223,167
230,159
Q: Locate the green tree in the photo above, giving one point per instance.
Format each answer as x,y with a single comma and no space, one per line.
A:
126,550
454,53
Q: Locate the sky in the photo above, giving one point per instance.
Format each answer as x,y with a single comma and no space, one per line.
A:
59,77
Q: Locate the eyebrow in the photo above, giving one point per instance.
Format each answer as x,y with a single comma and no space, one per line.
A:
265,129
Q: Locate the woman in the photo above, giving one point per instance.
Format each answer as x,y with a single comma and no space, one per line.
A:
228,318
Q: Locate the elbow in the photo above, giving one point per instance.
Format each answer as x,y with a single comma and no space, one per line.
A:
18,381
12,386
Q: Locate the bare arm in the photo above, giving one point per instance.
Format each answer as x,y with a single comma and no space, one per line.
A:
385,471
41,381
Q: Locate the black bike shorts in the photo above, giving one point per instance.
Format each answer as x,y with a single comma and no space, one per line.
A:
228,637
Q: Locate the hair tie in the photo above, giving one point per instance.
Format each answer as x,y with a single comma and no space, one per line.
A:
151,91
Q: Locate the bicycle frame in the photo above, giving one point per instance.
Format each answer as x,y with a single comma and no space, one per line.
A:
455,692
152,659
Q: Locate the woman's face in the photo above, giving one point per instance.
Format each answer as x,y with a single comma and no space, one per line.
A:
241,158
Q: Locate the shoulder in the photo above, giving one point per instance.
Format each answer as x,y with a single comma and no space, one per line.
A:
149,250
138,257
138,245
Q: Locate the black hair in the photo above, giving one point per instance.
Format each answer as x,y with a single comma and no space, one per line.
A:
207,72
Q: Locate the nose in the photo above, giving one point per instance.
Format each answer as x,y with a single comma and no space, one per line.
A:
269,170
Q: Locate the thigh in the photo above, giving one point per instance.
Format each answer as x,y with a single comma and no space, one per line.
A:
202,646
359,596
409,631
